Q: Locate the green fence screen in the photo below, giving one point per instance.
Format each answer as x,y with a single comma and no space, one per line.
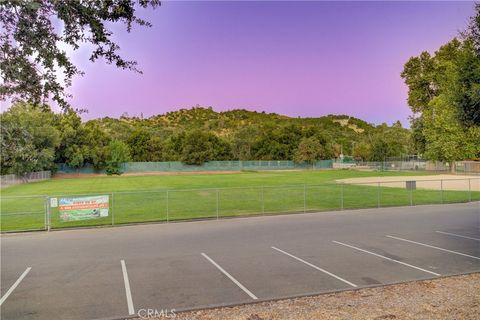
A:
176,166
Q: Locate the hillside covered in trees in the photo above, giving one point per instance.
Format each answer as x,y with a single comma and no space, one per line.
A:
35,138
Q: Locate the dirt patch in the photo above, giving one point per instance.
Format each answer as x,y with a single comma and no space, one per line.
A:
433,182
455,297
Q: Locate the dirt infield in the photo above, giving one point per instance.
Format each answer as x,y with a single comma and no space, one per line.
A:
433,182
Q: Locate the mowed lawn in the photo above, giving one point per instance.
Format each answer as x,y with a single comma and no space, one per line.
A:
182,197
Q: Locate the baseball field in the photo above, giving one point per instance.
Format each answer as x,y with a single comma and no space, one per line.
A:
151,198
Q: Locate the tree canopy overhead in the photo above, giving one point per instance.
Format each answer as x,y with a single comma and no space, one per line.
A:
31,34
473,30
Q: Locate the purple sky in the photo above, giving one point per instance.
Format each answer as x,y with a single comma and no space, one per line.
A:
293,58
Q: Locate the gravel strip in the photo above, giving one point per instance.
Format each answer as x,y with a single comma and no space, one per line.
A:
456,297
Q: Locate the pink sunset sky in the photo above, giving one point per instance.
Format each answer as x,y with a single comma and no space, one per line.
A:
295,58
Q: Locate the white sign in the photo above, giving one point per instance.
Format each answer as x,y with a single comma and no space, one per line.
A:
53,202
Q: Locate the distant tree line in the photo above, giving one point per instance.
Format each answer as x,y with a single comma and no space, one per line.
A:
444,95
35,138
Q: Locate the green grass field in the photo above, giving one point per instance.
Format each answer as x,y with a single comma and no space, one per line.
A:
145,198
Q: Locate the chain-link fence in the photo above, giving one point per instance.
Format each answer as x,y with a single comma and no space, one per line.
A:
395,166
44,212
176,166
23,213
459,167
467,167
456,167
12,179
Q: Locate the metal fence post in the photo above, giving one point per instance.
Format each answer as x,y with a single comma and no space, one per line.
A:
304,198
45,218
441,189
113,212
217,202
469,191
49,221
341,196
411,194
378,195
263,201
167,206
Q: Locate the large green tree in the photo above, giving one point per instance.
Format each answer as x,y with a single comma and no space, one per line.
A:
32,34
72,148
28,139
444,95
390,142
362,151
473,31
145,146
139,145
118,153
277,143
81,143
309,150
243,141
197,147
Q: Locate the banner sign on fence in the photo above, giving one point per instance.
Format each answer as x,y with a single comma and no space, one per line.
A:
83,208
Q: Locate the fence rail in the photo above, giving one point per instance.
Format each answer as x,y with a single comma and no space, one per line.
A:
460,167
176,166
456,167
22,213
12,179
467,167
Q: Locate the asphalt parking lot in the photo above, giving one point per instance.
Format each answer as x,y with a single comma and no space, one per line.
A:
124,271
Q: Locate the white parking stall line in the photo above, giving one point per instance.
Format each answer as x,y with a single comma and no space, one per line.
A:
131,309
230,277
433,247
5,296
315,267
387,258
458,235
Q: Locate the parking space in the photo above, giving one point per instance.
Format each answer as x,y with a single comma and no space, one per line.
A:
271,274
180,282
117,272
433,260
12,285
463,236
363,268
82,291
8,279
461,244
